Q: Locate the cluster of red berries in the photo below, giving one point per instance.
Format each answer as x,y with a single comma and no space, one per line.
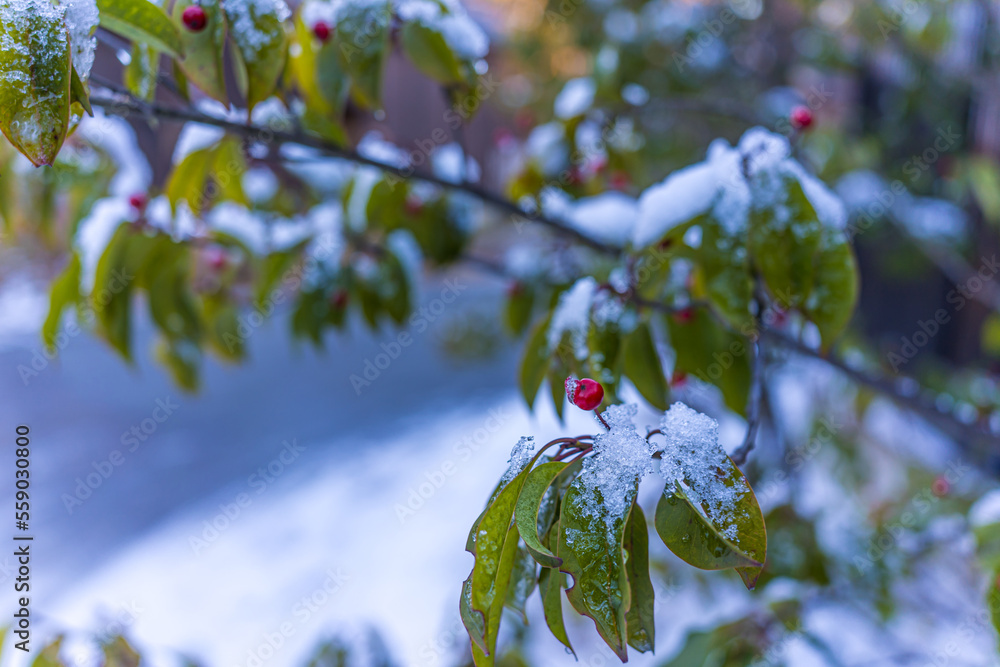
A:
585,394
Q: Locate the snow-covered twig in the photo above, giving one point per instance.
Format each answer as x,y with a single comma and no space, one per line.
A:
121,102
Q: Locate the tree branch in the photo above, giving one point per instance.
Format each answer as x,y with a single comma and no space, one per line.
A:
120,102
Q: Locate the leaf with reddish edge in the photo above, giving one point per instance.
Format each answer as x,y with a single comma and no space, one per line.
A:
694,538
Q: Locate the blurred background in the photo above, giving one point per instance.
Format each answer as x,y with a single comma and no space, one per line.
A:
287,512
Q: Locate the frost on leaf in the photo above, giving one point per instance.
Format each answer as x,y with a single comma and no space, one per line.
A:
81,23
35,77
692,459
520,455
621,458
730,184
466,39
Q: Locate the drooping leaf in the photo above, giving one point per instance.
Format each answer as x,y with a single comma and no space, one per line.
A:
430,52
119,653
526,511
363,34
713,354
258,30
550,585
49,655
142,70
643,367
65,292
523,579
35,88
517,312
78,92
835,287
688,530
485,657
489,541
592,553
204,51
639,618
724,276
141,21
321,80
535,362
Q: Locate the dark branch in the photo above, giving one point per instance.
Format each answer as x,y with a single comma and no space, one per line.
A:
121,103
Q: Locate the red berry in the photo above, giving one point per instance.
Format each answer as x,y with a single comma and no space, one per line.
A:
515,288
216,258
585,394
575,176
339,300
138,201
683,316
413,206
619,180
801,117
194,18
502,137
940,487
322,31
678,379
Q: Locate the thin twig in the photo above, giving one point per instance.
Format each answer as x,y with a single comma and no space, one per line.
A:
739,456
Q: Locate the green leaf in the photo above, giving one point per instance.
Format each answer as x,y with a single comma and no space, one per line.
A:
713,354
142,70
526,511
835,287
35,88
187,181
725,273
687,530
258,30
522,582
984,177
504,568
550,586
592,553
430,52
79,93
49,656
535,362
204,51
363,33
517,313
993,600
321,80
643,367
143,22
783,241
65,292
639,618
119,653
